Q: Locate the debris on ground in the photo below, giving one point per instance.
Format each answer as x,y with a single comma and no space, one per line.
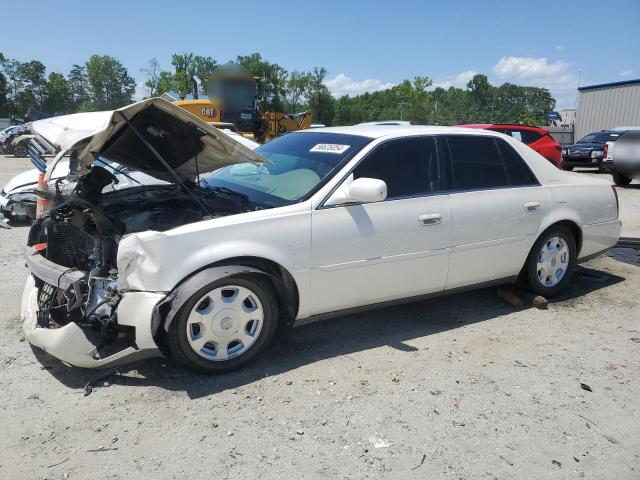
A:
510,297
586,387
424,457
379,442
540,302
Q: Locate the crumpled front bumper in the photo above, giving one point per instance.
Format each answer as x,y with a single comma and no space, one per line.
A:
71,345
19,206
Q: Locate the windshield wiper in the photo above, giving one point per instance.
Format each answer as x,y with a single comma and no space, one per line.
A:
232,193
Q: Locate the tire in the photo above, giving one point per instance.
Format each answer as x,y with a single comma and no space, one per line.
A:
224,323
534,272
620,179
567,169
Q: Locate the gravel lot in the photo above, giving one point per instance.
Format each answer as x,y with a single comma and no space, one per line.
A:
459,387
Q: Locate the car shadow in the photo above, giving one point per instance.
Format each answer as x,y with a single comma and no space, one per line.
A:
390,326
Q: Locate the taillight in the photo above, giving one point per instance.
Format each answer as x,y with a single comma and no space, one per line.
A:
615,193
605,151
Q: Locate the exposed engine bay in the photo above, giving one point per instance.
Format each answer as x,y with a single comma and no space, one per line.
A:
80,236
75,305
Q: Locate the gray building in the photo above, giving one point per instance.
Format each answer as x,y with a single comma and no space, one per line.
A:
608,105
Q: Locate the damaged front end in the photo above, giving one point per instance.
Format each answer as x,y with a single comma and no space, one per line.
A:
74,305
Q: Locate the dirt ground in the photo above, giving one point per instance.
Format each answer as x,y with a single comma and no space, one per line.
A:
458,387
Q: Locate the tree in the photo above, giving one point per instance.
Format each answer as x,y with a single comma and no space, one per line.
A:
14,85
203,68
4,105
321,103
482,96
32,75
166,83
273,80
58,96
153,76
78,85
110,85
184,72
296,88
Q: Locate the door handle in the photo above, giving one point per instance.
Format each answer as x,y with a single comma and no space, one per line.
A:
532,206
430,219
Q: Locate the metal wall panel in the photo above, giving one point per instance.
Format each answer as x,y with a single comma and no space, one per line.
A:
607,107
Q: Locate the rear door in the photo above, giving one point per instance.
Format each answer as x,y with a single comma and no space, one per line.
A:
496,207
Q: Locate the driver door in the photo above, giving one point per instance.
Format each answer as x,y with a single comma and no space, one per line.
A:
396,248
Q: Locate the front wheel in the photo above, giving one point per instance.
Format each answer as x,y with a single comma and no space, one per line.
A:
620,179
551,261
225,325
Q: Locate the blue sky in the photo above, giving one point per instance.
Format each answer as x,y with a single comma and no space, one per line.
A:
364,45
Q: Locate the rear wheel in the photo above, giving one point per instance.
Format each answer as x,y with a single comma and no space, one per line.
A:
620,179
551,261
225,325
566,167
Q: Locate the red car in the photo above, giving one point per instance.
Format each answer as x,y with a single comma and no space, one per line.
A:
535,137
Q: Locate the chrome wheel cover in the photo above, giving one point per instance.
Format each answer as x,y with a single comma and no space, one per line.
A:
225,323
553,261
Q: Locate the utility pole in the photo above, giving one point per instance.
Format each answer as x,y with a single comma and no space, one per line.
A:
401,105
578,88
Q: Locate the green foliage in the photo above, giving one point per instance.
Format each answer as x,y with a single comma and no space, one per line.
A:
480,102
78,87
165,83
103,83
110,86
58,96
273,81
152,72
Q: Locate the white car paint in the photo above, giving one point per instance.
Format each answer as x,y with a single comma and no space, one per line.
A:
348,256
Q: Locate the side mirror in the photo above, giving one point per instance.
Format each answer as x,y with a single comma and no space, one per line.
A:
367,190
360,190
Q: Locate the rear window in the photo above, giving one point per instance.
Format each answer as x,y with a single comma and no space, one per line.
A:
600,137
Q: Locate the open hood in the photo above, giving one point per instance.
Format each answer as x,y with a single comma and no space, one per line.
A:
185,142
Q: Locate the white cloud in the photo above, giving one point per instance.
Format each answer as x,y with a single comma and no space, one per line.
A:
459,81
528,67
141,91
344,85
626,72
558,76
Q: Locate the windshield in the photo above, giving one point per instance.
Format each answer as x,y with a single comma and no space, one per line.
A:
600,137
300,162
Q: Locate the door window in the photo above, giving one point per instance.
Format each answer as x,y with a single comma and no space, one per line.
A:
476,163
409,167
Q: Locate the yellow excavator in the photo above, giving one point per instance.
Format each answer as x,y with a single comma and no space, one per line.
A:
232,103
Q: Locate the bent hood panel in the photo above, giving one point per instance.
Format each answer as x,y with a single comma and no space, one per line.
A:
178,136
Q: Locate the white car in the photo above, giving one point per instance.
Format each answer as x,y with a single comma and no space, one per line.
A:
311,224
18,200
624,165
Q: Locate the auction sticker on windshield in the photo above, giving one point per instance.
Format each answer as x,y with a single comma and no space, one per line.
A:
330,148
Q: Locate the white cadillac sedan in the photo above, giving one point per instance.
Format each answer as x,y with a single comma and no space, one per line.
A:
311,224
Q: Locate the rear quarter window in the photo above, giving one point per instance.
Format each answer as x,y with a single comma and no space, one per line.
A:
517,169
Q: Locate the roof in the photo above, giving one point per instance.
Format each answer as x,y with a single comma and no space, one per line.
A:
500,125
377,131
608,85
